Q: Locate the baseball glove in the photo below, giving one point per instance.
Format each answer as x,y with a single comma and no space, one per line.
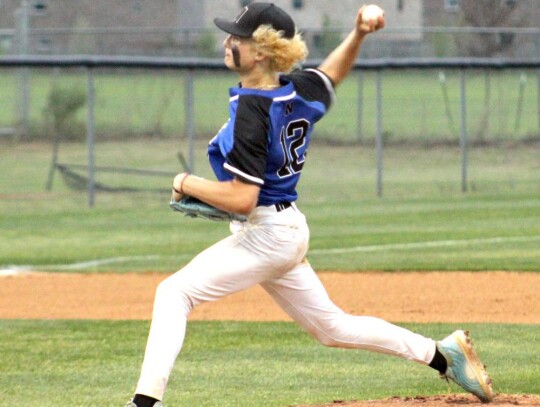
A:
195,208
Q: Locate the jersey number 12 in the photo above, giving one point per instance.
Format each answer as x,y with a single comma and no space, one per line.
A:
292,142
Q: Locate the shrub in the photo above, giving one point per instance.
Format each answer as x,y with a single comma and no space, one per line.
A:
63,103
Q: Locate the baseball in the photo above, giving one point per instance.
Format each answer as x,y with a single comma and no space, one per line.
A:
371,13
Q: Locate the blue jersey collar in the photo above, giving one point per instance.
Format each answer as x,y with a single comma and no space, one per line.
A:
285,89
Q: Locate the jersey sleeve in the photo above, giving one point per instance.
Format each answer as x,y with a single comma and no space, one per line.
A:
313,84
249,153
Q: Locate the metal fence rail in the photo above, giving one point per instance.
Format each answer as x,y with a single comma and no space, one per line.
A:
192,65
91,61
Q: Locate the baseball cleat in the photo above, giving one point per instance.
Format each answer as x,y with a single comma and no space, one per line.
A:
130,403
464,366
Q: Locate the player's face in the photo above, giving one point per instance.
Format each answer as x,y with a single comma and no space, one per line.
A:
239,53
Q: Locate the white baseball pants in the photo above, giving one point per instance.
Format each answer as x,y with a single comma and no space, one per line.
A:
269,250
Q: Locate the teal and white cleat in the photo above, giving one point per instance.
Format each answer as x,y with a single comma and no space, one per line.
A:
464,366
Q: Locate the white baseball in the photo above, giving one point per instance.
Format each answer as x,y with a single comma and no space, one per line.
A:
371,12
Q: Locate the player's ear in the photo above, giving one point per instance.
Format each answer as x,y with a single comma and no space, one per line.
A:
259,56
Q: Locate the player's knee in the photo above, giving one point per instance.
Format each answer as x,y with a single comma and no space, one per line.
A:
333,332
169,291
327,334
327,341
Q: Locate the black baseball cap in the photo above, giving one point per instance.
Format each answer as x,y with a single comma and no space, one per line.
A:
254,15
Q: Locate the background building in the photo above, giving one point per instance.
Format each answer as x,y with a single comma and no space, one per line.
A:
415,28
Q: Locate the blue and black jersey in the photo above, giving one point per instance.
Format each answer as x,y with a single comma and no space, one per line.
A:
266,138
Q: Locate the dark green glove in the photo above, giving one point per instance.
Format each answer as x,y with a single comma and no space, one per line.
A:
194,208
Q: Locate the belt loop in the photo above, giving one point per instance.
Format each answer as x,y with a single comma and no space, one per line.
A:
281,206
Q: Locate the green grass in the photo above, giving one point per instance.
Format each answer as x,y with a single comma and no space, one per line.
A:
423,221
414,108
233,364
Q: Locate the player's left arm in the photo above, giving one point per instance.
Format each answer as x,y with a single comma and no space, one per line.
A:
231,196
246,161
340,61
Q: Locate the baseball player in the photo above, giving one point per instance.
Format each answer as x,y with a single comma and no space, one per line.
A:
257,157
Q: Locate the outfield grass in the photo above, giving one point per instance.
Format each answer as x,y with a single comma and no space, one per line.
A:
229,364
423,221
234,364
500,106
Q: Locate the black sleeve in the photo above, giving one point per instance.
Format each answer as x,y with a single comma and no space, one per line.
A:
312,84
247,159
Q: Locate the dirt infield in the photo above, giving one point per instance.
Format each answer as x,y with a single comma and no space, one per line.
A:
405,297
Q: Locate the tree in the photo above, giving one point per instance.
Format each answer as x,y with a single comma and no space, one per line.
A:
489,13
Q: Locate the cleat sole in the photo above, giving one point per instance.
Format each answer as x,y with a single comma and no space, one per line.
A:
463,340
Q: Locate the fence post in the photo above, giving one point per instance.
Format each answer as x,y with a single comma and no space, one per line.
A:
22,28
90,135
379,134
189,116
538,97
521,95
463,133
360,108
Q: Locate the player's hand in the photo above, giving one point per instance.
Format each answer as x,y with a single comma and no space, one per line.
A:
366,24
178,184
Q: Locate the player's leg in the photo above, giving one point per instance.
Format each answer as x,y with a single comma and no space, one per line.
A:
301,294
254,254
218,271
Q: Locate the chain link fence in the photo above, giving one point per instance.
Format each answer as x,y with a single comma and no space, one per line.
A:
418,104
109,102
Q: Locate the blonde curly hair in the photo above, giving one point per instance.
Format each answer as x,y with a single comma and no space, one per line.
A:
284,53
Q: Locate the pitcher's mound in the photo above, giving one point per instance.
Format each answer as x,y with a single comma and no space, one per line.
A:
442,400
